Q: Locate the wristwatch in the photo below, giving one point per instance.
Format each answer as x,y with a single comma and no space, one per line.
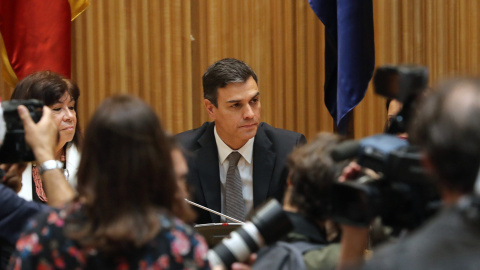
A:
49,165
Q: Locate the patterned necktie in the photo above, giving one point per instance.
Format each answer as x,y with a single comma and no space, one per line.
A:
234,203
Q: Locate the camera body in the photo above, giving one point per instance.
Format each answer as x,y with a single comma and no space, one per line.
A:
14,148
404,83
400,82
403,196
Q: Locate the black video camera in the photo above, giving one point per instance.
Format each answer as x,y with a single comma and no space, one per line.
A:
14,148
404,83
403,196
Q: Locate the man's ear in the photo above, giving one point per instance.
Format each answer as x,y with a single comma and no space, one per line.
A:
210,108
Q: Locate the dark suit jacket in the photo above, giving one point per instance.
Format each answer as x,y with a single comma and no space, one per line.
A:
14,214
270,150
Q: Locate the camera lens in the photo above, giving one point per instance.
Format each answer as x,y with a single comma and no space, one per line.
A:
268,225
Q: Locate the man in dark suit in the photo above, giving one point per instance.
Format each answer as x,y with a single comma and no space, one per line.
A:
232,100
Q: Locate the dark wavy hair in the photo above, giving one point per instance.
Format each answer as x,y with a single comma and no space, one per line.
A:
125,177
49,87
312,172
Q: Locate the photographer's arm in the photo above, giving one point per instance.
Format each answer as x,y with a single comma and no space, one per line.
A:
354,239
42,138
14,213
353,246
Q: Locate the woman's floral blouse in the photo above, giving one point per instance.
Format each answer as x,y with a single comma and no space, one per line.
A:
43,246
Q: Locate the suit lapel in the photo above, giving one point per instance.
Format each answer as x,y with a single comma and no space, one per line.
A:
208,169
263,165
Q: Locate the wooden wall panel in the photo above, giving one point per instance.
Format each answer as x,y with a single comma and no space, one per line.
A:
158,50
442,35
283,42
137,47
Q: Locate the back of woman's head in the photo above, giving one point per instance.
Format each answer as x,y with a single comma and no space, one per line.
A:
48,87
126,161
125,177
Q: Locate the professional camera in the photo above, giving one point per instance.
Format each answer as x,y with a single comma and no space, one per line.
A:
14,148
268,225
403,196
404,83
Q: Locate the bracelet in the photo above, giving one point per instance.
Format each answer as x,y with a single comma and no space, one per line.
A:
49,165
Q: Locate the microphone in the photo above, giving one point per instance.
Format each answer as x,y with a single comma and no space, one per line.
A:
345,150
213,211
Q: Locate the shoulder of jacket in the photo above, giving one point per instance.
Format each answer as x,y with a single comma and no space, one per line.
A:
273,131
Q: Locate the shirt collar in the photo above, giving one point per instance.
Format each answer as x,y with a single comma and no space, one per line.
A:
224,150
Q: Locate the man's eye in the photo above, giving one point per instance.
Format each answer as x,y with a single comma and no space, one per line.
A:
255,100
235,105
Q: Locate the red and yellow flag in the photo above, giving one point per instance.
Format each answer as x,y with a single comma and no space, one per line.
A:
36,36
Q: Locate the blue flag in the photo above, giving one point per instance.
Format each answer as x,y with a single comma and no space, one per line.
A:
349,54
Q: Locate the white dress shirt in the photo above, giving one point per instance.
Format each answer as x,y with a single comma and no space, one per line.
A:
72,161
245,168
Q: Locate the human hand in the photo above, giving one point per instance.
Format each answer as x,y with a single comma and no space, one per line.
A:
352,171
13,175
246,265
42,136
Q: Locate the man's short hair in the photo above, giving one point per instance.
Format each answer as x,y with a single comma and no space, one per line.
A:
222,73
447,128
312,173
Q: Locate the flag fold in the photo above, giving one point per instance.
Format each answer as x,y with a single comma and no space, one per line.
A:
349,53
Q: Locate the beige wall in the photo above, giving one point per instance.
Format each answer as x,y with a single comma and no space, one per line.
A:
159,49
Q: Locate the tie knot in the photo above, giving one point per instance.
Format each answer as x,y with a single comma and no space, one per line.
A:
233,158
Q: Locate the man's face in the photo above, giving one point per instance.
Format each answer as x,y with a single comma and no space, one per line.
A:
237,114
